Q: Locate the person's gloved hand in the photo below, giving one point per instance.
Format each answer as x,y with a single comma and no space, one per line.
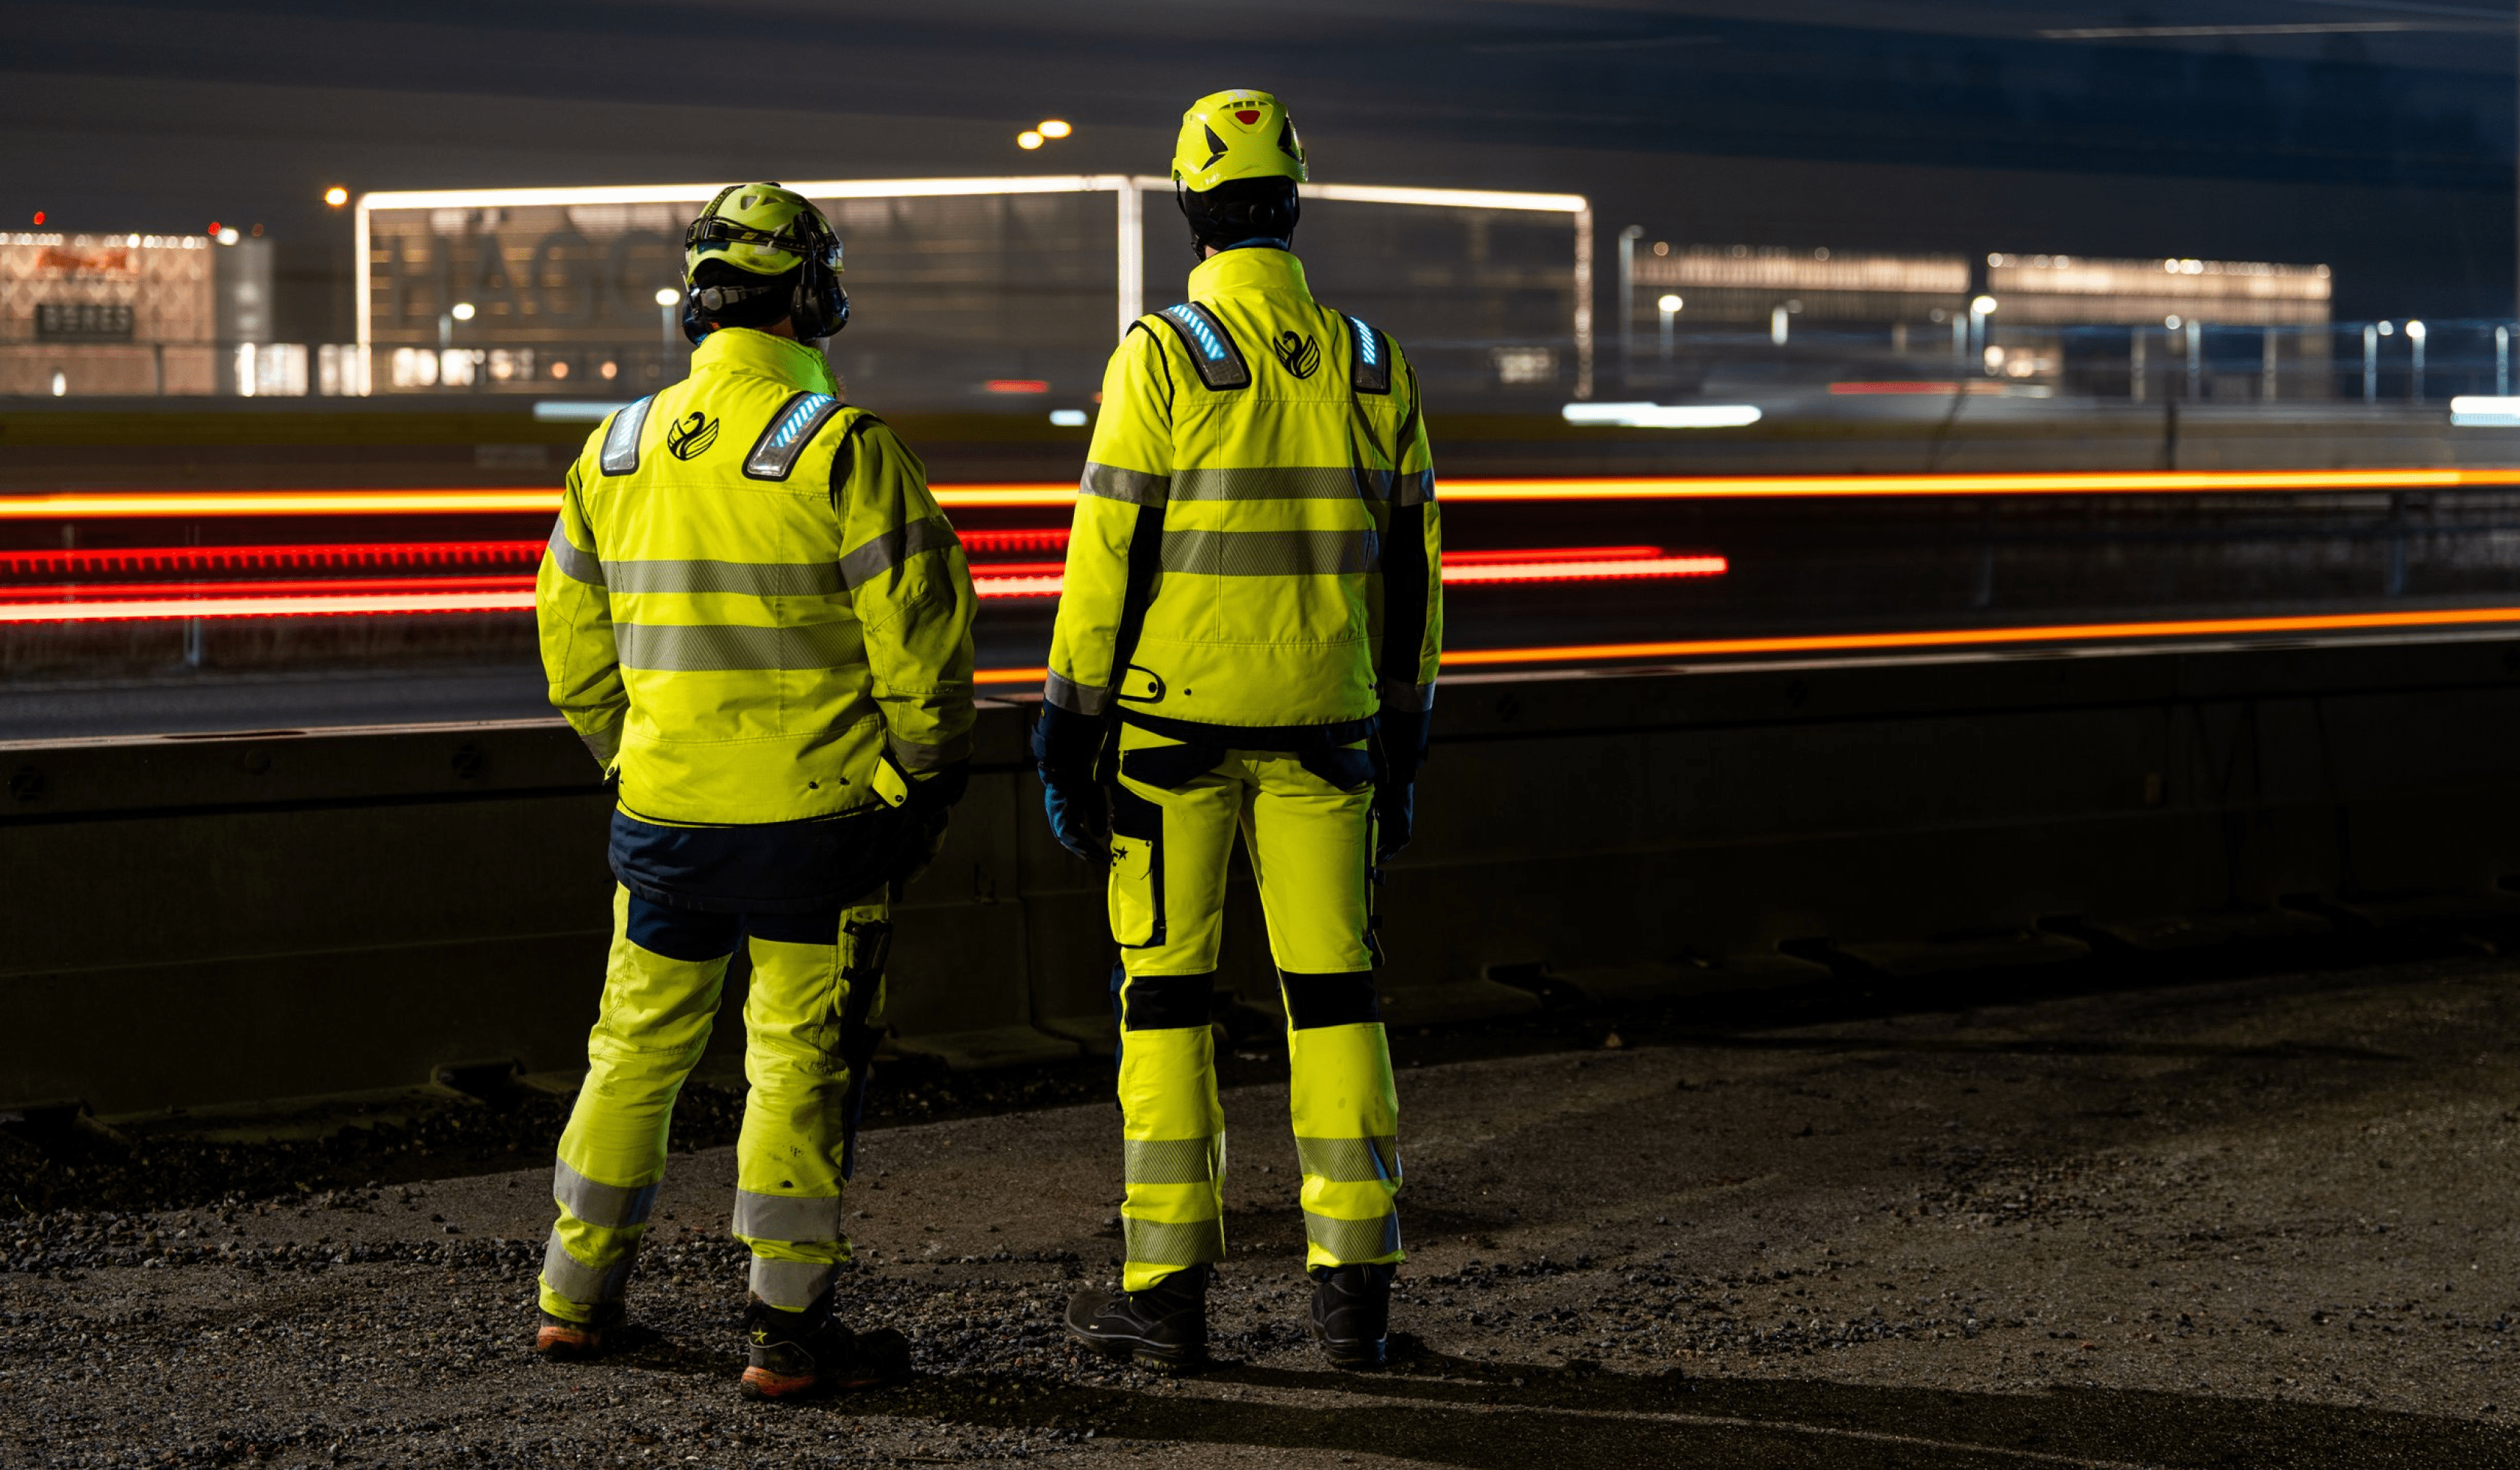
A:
930,811
1399,749
1064,744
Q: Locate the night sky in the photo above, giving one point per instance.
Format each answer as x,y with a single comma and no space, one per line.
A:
2375,137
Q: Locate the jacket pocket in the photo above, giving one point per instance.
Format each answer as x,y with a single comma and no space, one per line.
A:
1136,891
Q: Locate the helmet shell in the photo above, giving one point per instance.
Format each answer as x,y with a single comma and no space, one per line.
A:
1236,134
762,229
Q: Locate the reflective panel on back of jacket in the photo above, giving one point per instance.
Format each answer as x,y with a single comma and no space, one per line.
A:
752,593
1255,540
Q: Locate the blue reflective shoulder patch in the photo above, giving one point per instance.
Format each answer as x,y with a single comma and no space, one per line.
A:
1212,348
620,454
1373,370
791,429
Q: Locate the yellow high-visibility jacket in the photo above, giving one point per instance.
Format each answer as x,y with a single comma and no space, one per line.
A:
752,596
1255,542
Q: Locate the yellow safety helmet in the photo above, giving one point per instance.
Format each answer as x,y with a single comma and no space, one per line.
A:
1236,134
769,231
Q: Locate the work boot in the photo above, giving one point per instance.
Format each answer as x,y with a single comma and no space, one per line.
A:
1164,1326
562,1341
798,1353
1352,1314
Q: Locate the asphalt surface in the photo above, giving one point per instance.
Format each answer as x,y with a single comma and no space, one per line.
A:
2257,1222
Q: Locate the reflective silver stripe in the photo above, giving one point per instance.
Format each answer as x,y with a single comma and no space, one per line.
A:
791,429
893,548
586,1285
1407,696
620,454
1415,488
612,1206
915,756
1171,1161
790,1285
787,1216
1074,697
576,565
1157,1243
604,744
1334,482
1350,1161
1272,554
760,579
710,647
1352,1242
1135,486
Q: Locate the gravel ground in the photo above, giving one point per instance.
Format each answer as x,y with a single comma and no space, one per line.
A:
2258,1222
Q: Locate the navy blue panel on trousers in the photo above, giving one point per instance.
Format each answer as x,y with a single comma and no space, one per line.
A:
761,868
690,935
1168,1002
821,926
1342,999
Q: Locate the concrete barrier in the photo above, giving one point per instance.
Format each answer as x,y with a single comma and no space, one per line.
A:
186,923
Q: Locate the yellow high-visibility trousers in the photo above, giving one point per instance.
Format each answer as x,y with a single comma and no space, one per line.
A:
817,986
1311,841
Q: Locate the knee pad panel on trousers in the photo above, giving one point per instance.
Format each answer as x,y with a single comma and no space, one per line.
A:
1345,999
690,935
1167,1003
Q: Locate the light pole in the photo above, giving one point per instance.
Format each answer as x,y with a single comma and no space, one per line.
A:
1979,310
2195,359
1628,239
667,298
2502,362
1667,308
2416,335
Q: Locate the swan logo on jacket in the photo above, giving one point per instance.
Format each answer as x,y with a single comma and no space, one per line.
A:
691,436
1300,355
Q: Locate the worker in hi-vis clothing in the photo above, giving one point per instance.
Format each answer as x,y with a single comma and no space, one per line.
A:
756,616
1246,638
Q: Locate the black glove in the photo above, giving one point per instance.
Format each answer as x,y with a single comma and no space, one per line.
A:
926,815
1066,744
1399,749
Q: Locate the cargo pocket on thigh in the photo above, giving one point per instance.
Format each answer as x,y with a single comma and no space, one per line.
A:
1137,893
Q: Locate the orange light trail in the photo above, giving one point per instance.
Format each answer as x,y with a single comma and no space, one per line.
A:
542,500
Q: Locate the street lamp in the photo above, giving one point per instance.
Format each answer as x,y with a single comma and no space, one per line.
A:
2415,335
1628,239
667,298
1979,310
1667,308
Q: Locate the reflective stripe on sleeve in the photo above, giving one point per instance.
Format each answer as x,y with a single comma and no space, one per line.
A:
1415,488
895,547
1134,486
1350,1242
1350,1161
1156,1242
1336,482
1272,554
1171,1161
813,1220
612,1206
1072,696
587,1285
916,756
1407,696
790,1285
760,579
719,647
576,565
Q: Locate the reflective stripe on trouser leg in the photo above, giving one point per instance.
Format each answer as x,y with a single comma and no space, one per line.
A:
788,1155
1173,1129
652,1024
1311,848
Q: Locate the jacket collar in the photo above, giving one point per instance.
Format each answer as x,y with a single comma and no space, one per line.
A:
1256,268
758,354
